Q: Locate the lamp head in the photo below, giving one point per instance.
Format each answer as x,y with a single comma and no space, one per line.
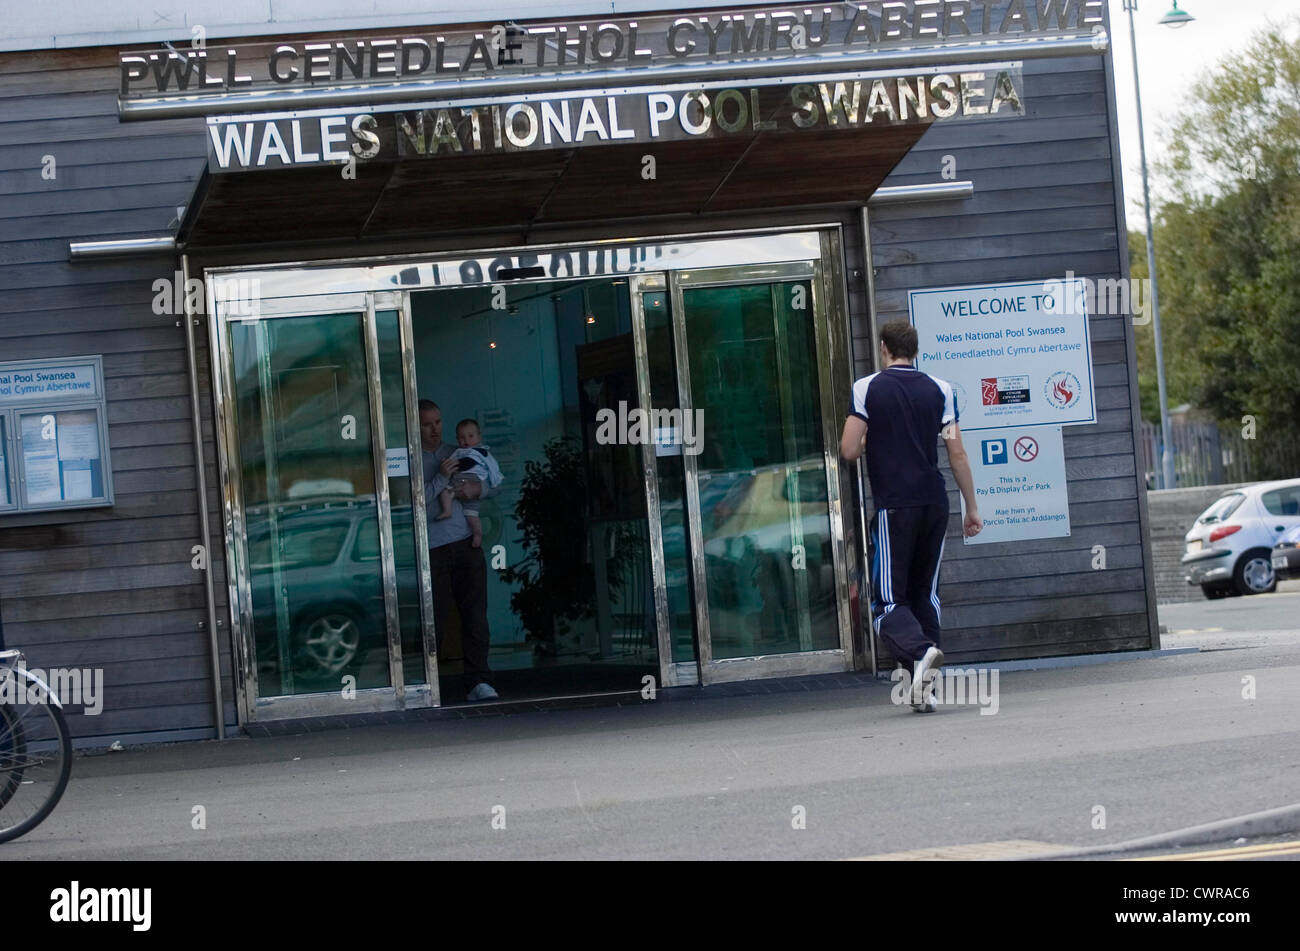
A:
1176,18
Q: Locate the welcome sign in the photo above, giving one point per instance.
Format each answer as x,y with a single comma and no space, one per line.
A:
1016,354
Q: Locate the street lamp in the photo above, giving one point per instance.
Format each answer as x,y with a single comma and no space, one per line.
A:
1174,18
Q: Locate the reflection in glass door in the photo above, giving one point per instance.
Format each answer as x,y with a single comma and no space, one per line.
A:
314,579
568,598
765,562
410,554
665,481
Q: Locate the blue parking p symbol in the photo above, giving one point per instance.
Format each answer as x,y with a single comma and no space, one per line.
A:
995,451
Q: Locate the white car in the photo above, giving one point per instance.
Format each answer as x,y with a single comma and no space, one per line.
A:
1229,546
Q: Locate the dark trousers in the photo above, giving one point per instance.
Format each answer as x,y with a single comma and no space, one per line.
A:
906,547
459,573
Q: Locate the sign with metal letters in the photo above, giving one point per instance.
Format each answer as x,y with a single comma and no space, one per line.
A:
445,129
653,41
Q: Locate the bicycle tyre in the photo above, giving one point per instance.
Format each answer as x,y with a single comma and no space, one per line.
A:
12,740
60,784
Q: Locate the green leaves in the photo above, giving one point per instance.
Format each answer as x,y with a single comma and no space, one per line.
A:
556,579
1228,244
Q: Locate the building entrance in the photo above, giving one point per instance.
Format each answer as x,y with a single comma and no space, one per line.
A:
526,371
668,506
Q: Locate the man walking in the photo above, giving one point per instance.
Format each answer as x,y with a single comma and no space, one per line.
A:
457,569
900,412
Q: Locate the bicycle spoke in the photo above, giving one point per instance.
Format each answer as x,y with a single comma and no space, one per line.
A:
35,760
14,764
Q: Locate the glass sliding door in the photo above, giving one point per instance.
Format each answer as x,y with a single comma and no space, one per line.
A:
410,553
311,517
324,531
665,476
538,374
767,565
705,546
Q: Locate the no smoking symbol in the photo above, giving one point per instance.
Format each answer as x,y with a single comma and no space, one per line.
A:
1026,449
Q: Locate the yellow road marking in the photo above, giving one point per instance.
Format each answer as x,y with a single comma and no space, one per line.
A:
1019,848
1266,850
1008,848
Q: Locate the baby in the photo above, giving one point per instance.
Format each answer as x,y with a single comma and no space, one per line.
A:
473,464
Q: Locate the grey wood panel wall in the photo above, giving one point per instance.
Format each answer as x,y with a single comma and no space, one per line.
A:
1044,203
111,588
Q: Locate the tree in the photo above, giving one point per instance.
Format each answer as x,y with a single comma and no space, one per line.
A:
1228,243
557,585
1148,389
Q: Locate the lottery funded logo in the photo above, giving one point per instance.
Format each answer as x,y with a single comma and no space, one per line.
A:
1062,389
1002,390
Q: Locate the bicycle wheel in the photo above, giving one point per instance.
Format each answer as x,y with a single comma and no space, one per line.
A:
35,762
10,742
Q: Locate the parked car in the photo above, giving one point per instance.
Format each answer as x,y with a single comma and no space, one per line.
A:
750,520
323,561
1286,556
1229,548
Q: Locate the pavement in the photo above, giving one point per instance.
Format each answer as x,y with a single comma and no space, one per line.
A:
1237,620
1074,757
1268,848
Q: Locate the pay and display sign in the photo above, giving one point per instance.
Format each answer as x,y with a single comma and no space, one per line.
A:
1019,476
1015,354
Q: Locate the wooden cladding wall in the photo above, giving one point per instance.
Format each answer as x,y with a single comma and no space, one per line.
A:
114,588
1044,203
109,588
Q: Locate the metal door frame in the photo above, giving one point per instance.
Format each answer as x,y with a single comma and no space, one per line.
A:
795,663
397,695
638,285
428,693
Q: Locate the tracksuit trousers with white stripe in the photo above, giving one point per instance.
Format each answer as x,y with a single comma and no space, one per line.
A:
906,547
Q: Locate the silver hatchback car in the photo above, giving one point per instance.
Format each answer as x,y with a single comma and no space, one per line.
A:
1229,547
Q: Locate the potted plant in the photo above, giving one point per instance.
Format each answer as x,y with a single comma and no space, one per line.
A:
556,582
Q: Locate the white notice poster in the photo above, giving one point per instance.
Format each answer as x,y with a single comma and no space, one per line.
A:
668,441
77,484
40,460
78,435
1015,354
1019,476
396,462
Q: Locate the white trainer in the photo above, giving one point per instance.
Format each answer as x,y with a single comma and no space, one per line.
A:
931,696
482,691
923,700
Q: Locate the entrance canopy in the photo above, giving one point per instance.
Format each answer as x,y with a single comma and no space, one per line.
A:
498,127
524,189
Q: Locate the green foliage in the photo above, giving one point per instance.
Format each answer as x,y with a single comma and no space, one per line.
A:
1228,243
1148,391
557,583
